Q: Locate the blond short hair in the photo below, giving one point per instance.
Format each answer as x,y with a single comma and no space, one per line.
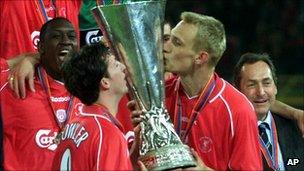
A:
210,35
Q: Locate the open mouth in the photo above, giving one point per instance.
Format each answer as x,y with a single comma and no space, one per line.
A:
63,54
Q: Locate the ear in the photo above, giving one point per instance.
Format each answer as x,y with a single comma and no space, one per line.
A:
40,47
275,90
202,57
105,83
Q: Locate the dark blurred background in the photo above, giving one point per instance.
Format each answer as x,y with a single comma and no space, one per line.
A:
261,26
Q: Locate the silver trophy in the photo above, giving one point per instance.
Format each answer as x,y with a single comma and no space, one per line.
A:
134,32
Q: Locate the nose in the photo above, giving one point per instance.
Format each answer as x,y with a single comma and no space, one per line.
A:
65,39
260,90
122,66
167,46
123,69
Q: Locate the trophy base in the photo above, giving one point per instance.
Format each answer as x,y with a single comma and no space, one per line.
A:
168,157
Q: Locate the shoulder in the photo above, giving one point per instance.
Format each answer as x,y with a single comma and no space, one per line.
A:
98,128
108,128
289,135
284,124
98,122
227,100
231,97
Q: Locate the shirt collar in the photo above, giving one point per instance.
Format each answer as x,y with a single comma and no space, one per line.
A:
267,119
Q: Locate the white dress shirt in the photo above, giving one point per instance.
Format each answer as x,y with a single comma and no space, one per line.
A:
269,134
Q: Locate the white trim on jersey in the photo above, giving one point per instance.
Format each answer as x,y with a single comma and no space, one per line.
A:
226,104
230,115
5,84
219,93
6,70
100,142
92,114
96,116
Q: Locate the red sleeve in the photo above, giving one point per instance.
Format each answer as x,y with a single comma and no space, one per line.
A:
245,154
21,20
113,151
19,28
4,73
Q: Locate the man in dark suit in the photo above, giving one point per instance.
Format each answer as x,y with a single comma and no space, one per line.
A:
280,139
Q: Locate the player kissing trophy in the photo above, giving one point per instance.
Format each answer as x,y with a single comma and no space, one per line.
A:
134,31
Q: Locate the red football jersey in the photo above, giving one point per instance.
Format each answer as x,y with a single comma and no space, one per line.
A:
225,131
92,141
30,125
21,20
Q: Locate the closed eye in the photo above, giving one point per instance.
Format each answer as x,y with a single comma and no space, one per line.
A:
176,41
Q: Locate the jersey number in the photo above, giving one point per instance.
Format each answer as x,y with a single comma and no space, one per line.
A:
65,163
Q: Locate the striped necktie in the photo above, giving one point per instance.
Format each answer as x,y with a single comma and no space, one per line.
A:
262,131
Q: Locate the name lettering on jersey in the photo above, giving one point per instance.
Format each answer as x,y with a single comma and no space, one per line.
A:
76,132
60,99
45,139
35,38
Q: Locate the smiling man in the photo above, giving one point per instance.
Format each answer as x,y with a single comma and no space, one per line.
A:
280,138
31,125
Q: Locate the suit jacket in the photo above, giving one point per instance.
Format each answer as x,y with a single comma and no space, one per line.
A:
290,141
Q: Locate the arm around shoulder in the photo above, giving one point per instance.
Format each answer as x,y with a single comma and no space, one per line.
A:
22,68
290,112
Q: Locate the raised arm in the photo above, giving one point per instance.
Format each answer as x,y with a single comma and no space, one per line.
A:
289,112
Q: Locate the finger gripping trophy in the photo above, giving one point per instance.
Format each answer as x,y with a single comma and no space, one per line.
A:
134,31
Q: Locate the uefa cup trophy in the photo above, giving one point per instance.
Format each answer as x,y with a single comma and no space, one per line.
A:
134,32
